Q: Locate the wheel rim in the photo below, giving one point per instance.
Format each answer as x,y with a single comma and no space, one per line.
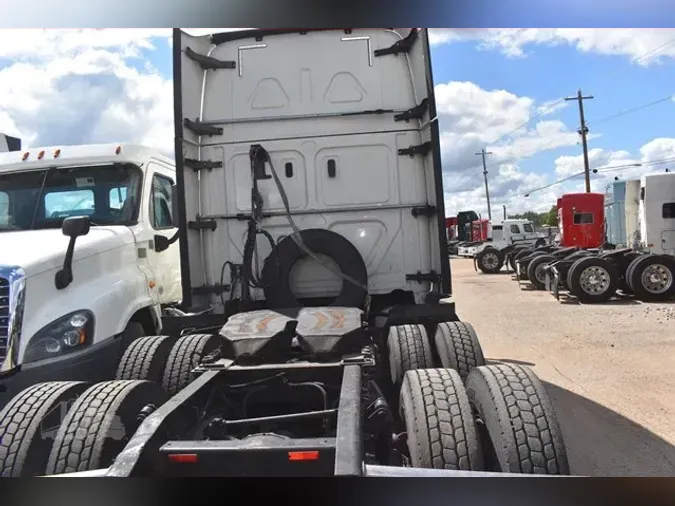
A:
594,280
657,279
490,260
540,273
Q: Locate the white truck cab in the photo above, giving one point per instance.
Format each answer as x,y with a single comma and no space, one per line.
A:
502,233
86,259
656,216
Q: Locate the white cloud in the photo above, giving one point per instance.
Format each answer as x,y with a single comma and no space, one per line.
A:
84,86
472,118
632,43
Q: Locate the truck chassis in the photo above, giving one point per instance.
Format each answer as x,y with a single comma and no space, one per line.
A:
283,393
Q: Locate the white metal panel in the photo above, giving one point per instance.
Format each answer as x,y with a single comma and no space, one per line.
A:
295,95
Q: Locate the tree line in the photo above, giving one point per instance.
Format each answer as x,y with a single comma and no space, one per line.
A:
547,218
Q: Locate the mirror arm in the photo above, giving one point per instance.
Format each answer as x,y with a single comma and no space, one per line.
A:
64,277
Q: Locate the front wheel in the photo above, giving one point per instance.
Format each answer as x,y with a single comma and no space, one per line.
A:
490,260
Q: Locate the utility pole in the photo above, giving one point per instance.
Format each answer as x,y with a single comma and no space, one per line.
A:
583,131
487,191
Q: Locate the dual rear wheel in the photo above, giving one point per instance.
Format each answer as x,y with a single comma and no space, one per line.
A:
71,426
467,415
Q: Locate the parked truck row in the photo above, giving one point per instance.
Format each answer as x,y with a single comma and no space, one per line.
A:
315,333
638,215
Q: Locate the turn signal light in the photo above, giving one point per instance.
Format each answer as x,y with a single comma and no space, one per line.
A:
40,155
57,152
25,156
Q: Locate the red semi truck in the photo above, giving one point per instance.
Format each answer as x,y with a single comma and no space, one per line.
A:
581,220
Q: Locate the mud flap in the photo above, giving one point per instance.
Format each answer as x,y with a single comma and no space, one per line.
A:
475,263
556,283
518,275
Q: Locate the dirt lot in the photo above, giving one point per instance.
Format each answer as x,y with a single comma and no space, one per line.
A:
609,369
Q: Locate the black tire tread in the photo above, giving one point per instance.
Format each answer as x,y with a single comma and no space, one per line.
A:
185,355
410,347
528,439
142,356
80,439
458,347
21,418
440,426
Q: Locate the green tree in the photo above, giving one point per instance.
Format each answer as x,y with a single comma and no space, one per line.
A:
552,217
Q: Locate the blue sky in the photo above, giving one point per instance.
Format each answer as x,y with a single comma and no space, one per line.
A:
67,87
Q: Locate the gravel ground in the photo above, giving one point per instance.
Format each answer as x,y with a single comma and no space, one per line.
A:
608,368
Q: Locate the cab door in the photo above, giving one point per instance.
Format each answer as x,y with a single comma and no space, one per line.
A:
164,265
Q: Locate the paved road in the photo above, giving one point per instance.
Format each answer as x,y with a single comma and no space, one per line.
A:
609,369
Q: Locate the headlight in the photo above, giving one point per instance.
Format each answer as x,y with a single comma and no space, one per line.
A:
65,335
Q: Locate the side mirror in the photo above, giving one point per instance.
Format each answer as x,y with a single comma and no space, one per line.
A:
72,227
174,206
162,243
76,226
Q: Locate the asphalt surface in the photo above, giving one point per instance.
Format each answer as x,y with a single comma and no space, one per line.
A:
609,369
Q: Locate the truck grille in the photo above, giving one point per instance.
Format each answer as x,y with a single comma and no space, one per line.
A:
4,317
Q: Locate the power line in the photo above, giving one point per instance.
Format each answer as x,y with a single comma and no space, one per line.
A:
601,170
634,109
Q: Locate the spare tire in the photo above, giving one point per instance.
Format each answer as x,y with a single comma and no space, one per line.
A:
276,271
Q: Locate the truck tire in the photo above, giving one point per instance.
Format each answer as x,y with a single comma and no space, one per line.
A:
515,414
536,273
100,423
490,260
652,278
276,276
539,243
521,254
132,332
458,347
409,349
145,359
185,355
441,431
25,424
593,280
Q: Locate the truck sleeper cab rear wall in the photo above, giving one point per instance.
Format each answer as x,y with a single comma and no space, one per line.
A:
353,138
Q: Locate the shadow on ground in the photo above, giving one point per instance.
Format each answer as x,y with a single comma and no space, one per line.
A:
510,361
601,442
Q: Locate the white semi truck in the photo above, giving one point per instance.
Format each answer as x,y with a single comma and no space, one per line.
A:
311,214
503,235
86,259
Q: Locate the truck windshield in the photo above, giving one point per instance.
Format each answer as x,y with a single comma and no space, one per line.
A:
38,199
